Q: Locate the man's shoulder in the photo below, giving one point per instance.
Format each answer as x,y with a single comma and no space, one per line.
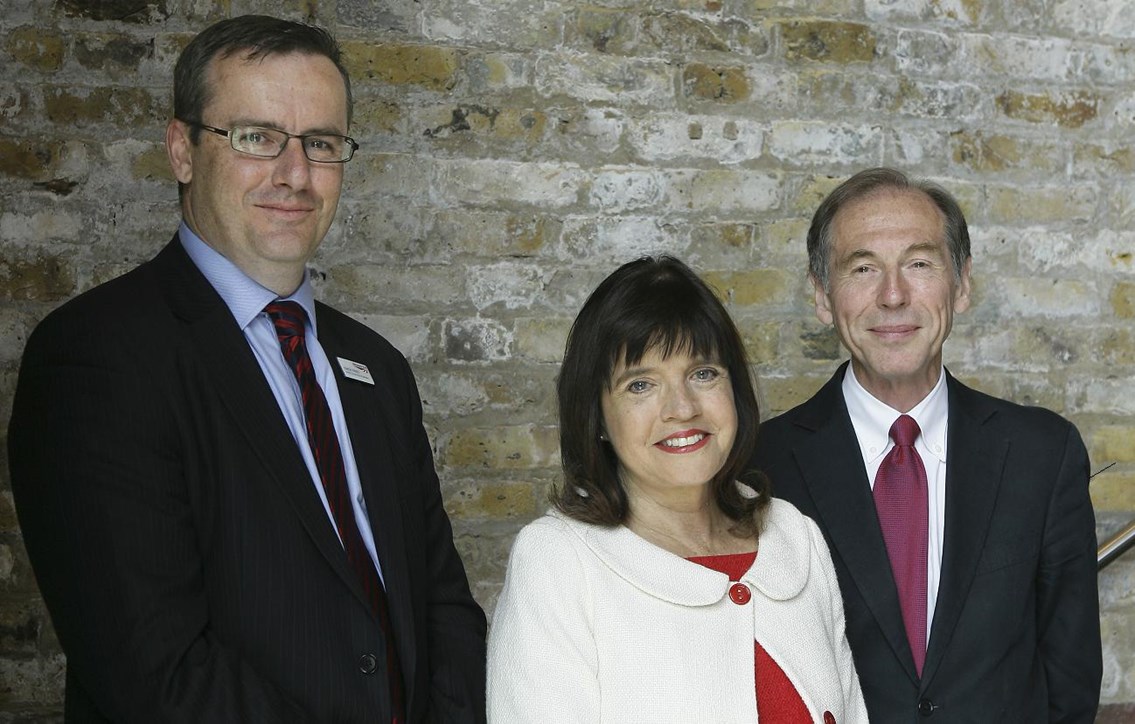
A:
981,406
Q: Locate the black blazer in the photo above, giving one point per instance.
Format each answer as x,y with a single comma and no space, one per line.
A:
1016,634
186,560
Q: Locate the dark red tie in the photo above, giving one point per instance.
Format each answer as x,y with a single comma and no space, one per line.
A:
288,318
901,501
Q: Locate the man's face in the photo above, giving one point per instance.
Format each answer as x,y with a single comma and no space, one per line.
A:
893,292
265,215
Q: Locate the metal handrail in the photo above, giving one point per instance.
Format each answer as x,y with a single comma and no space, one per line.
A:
1115,546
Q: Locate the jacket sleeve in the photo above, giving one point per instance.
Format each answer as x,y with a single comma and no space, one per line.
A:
1068,623
455,623
542,654
855,709
99,481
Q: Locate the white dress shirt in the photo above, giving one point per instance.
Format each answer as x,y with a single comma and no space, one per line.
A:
872,421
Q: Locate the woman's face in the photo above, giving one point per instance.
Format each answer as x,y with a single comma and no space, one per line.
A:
670,421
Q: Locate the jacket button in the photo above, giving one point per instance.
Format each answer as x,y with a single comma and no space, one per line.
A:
739,593
926,707
829,718
368,664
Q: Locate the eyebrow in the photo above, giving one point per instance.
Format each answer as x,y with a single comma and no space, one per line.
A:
918,248
259,123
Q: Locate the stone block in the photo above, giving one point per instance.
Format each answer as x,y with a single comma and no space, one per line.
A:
617,190
1041,205
1093,18
115,106
506,447
493,234
492,183
611,241
398,289
477,341
1036,59
491,501
1114,444
679,136
985,152
1069,109
725,193
1122,300
762,288
828,41
806,143
43,277
400,16
409,334
953,12
509,283
432,67
721,84
115,53
514,23
35,159
36,48
607,79
542,339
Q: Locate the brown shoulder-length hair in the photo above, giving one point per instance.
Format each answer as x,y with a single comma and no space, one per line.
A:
646,305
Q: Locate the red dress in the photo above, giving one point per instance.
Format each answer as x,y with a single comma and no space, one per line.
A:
777,699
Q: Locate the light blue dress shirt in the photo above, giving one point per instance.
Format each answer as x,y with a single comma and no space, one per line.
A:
246,300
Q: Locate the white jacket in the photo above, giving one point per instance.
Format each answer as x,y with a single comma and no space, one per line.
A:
596,625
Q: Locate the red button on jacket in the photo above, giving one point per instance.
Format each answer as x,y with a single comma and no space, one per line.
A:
739,593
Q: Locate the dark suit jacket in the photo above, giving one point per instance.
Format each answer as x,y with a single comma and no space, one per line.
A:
1015,636
189,567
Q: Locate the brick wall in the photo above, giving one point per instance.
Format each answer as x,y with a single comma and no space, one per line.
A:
516,151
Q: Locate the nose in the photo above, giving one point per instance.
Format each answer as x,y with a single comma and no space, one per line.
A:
293,167
894,290
680,404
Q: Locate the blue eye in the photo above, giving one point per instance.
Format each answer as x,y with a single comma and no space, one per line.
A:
638,386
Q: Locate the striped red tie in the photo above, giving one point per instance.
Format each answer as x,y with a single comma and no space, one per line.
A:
289,318
901,501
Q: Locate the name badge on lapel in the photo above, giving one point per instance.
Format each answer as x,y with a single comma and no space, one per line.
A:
355,370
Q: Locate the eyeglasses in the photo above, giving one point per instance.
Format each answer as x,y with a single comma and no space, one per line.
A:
271,142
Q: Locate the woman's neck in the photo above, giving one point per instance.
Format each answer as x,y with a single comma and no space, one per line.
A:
686,526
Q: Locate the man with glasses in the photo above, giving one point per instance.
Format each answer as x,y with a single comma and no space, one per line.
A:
224,486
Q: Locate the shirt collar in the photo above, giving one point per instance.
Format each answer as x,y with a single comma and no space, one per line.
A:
872,419
244,297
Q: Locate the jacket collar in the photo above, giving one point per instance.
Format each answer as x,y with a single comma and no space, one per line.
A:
780,570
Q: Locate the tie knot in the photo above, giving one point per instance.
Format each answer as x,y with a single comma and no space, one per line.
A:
905,431
288,318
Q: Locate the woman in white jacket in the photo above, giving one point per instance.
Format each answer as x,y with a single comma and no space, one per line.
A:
666,586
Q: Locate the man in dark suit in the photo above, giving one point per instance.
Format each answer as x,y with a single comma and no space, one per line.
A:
966,558
224,486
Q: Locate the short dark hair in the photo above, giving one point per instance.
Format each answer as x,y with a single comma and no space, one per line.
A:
866,183
258,36
645,305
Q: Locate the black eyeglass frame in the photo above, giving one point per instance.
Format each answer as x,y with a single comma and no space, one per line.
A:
351,143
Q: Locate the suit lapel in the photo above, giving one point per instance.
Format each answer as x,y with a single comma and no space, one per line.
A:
974,468
366,408
232,370
842,495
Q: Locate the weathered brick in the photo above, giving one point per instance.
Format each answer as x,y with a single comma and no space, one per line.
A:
1070,110
507,183
495,501
516,23
432,67
542,339
36,48
409,334
638,81
396,15
965,12
505,447
30,158
828,41
42,278
82,107
477,341
803,142
722,84
1122,300
112,51
1038,58
615,240
616,190
981,151
757,287
1056,204
39,680
666,137
509,283
493,233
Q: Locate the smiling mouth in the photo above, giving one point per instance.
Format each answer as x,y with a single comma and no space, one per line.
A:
684,443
